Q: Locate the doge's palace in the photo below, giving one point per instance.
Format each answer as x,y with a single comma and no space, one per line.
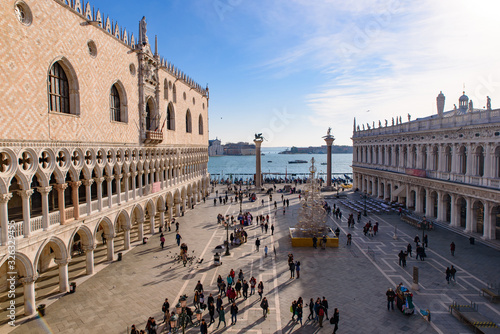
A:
445,166
102,140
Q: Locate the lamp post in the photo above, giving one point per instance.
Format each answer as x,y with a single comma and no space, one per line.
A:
424,226
173,322
227,239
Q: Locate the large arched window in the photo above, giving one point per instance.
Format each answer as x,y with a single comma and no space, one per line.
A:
463,160
58,89
188,121
448,159
200,125
170,117
62,88
114,104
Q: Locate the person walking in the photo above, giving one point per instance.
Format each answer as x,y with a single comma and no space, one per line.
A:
272,229
315,242
222,317
317,306
257,244
203,327
349,239
211,312
266,227
260,289
238,287
178,238
253,282
265,307
321,315
390,298
293,309
324,303
165,309
448,274
408,249
426,241
299,313
452,248
453,271
323,243
234,313
162,241
311,310
245,289
335,320
297,269
291,265
265,251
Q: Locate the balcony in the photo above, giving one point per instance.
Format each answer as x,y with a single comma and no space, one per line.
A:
153,137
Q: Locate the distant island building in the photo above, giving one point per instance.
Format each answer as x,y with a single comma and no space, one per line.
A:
215,148
240,148
445,166
317,150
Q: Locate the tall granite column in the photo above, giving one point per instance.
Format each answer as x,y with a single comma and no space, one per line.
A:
258,174
329,141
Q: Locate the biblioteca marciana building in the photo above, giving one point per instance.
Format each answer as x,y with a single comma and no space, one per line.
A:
101,138
445,166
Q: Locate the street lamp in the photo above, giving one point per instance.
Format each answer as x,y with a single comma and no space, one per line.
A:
173,322
227,239
180,308
199,316
424,226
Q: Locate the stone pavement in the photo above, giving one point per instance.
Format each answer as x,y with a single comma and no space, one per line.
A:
353,278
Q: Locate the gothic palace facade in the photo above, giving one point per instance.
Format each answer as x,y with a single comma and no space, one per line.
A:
445,166
100,137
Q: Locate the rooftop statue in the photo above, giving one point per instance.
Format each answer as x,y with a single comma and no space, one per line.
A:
143,29
329,132
258,136
488,103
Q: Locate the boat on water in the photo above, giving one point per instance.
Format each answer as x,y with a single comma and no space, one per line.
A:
297,162
324,163
269,161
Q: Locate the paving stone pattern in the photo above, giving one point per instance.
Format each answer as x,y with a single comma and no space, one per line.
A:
353,278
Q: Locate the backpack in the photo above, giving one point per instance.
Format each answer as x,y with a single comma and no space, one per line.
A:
321,311
332,321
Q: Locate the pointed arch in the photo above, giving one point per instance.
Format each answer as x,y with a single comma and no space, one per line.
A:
200,125
118,103
188,122
170,117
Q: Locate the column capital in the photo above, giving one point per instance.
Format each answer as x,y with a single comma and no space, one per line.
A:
44,190
109,178
62,262
75,184
89,248
88,182
28,279
25,193
140,172
4,198
126,228
109,236
119,176
140,221
99,180
61,186
128,174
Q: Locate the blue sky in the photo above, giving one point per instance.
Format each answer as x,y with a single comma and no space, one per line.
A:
290,69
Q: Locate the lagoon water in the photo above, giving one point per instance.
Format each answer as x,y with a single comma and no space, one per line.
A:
272,162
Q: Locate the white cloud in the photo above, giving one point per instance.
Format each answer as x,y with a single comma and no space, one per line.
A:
391,57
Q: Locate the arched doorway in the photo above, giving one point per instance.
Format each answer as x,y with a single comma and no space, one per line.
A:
478,216
462,212
447,208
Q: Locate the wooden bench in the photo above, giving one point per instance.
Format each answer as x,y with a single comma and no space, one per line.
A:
492,293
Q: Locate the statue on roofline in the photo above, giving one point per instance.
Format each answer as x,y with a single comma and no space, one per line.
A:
488,103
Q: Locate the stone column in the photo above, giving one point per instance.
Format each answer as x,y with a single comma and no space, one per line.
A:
488,227
141,191
4,217
429,212
89,255
126,237
60,201
118,188
470,159
419,205
98,181
454,211
178,209
74,198
44,191
169,213
469,224
110,246
127,175
152,221
488,165
258,174
29,294
329,141
26,196
134,185
109,179
63,274
441,209
88,195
